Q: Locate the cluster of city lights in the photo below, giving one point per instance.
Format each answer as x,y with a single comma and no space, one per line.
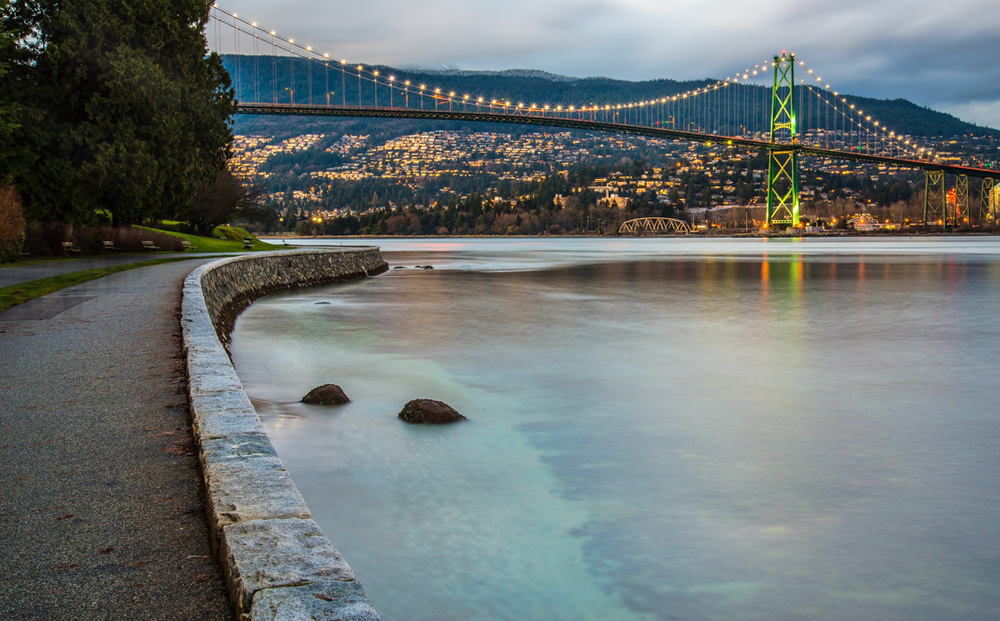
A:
405,88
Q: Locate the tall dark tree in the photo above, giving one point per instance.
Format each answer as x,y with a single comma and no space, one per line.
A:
219,201
121,107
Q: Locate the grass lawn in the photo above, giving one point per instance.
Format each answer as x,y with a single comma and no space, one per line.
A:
21,293
213,244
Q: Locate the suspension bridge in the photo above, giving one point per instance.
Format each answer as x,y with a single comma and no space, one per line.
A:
768,107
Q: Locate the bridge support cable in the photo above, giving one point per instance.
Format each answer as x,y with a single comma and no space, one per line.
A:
935,199
782,167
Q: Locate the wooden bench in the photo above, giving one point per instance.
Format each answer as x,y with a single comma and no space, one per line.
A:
247,243
187,245
149,245
70,248
110,247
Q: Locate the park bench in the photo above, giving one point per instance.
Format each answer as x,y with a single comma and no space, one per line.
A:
149,245
70,248
247,243
110,247
187,245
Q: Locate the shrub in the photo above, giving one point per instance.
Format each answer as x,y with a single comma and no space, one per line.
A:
232,233
46,239
12,226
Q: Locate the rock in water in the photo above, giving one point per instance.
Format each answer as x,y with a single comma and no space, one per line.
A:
429,412
327,394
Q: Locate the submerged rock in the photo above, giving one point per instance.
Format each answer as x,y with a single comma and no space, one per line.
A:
429,412
327,394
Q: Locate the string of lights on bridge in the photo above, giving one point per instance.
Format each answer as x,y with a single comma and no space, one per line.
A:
860,128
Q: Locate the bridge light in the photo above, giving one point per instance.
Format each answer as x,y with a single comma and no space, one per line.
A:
392,78
480,100
451,94
309,48
254,24
359,68
465,97
375,73
273,33
291,40
343,61
325,55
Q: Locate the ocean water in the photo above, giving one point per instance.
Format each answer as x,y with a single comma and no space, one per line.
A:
659,428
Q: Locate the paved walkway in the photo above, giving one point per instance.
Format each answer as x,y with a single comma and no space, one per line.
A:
101,507
16,274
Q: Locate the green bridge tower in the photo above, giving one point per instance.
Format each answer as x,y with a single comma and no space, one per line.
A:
782,166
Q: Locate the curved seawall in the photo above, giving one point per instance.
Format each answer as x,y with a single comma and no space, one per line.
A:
277,562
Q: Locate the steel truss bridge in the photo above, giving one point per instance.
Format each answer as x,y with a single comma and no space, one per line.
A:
655,225
764,109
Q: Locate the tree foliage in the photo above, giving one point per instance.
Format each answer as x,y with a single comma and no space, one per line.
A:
11,224
219,201
120,106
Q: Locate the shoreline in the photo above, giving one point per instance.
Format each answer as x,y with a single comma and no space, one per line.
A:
849,235
276,561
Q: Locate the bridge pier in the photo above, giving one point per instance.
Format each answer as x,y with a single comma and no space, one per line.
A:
963,214
987,202
935,199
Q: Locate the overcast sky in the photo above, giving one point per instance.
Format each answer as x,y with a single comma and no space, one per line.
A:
943,54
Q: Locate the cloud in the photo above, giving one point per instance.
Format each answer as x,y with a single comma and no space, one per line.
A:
984,113
936,54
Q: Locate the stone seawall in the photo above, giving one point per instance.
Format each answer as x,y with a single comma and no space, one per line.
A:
277,562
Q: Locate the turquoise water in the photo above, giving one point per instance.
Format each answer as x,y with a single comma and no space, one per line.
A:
659,428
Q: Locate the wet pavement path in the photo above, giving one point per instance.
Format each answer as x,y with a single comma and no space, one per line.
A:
101,504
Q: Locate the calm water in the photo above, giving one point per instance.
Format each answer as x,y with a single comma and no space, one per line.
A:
659,429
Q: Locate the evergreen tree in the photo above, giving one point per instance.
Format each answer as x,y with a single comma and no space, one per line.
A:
120,105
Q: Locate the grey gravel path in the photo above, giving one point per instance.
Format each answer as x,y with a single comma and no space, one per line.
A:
101,509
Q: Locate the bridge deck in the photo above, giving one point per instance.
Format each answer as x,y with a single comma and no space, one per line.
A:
620,128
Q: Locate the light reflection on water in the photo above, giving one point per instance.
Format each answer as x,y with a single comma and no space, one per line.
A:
660,429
